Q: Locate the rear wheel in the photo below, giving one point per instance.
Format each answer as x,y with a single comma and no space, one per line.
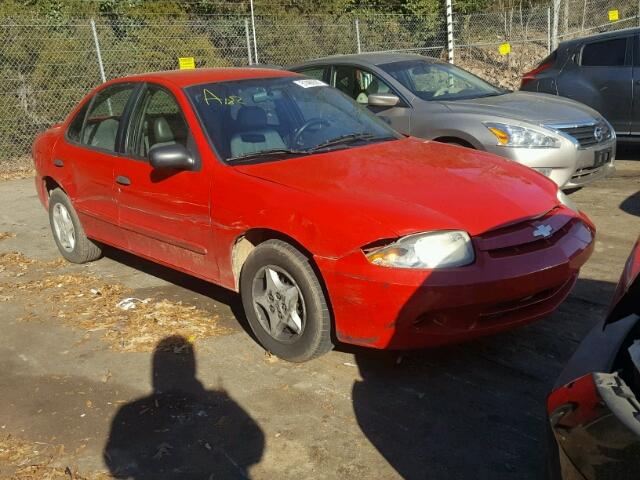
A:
284,302
68,232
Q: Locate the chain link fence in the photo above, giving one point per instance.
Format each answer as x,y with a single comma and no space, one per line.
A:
46,67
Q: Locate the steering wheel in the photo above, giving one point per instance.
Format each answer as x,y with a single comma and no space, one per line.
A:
314,121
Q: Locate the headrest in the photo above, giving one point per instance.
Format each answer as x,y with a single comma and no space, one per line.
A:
252,117
373,86
162,130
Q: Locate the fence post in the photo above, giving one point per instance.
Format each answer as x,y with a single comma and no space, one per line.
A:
450,30
98,53
548,30
246,34
357,24
556,14
253,26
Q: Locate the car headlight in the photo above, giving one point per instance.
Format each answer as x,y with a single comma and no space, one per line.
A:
567,202
443,249
517,136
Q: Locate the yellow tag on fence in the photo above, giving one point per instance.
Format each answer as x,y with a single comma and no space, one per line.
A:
504,49
186,63
613,15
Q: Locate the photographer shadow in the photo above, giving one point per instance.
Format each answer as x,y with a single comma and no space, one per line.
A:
181,430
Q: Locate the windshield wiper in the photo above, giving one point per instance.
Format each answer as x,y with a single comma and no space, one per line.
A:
276,152
351,137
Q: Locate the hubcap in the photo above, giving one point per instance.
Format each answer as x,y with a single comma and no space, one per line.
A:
63,227
279,304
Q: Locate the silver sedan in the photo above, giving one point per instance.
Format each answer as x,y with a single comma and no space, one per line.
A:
565,140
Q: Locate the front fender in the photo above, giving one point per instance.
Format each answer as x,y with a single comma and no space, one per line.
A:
321,226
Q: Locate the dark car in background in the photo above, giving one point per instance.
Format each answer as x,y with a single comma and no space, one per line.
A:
594,411
600,71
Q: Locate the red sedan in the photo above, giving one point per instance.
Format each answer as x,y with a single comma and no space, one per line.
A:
331,225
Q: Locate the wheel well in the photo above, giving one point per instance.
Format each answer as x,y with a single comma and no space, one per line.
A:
50,185
246,243
454,141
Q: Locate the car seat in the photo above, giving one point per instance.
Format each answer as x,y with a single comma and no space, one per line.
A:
253,134
162,133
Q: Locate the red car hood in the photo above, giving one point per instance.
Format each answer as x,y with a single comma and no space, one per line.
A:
412,185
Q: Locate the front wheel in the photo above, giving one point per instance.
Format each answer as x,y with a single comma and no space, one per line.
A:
284,302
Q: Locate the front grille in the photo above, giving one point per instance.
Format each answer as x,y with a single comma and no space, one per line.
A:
585,135
584,173
519,238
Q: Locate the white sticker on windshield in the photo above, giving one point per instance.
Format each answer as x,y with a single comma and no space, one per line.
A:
310,82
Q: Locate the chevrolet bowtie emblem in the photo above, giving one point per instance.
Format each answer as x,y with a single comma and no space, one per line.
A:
542,231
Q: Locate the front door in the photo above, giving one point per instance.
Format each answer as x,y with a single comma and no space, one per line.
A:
359,83
164,214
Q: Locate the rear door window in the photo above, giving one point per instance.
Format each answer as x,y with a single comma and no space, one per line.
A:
606,53
75,127
103,120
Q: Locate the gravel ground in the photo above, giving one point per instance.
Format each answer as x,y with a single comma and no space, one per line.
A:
80,398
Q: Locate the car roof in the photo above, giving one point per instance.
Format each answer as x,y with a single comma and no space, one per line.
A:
373,59
601,36
185,78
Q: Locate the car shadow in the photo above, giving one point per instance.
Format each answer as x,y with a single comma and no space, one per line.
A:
627,150
184,281
181,430
477,409
631,204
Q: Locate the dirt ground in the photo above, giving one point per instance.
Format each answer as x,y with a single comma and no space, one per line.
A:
85,385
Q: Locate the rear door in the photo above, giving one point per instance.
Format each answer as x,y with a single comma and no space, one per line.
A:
603,80
635,111
90,149
359,83
165,214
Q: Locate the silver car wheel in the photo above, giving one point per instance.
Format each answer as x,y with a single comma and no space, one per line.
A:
279,304
63,227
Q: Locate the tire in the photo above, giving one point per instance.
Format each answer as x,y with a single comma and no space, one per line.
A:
74,246
300,293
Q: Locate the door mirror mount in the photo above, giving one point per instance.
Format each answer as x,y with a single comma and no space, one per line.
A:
383,100
171,157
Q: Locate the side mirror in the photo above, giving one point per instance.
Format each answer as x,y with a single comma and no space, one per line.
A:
171,157
383,100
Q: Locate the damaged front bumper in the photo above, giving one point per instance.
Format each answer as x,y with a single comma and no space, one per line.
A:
405,308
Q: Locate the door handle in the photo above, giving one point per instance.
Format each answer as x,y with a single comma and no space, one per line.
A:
123,180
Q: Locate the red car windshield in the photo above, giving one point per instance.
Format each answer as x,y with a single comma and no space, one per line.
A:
273,117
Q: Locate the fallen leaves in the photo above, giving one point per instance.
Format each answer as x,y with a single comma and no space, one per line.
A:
17,174
94,305
22,460
5,235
